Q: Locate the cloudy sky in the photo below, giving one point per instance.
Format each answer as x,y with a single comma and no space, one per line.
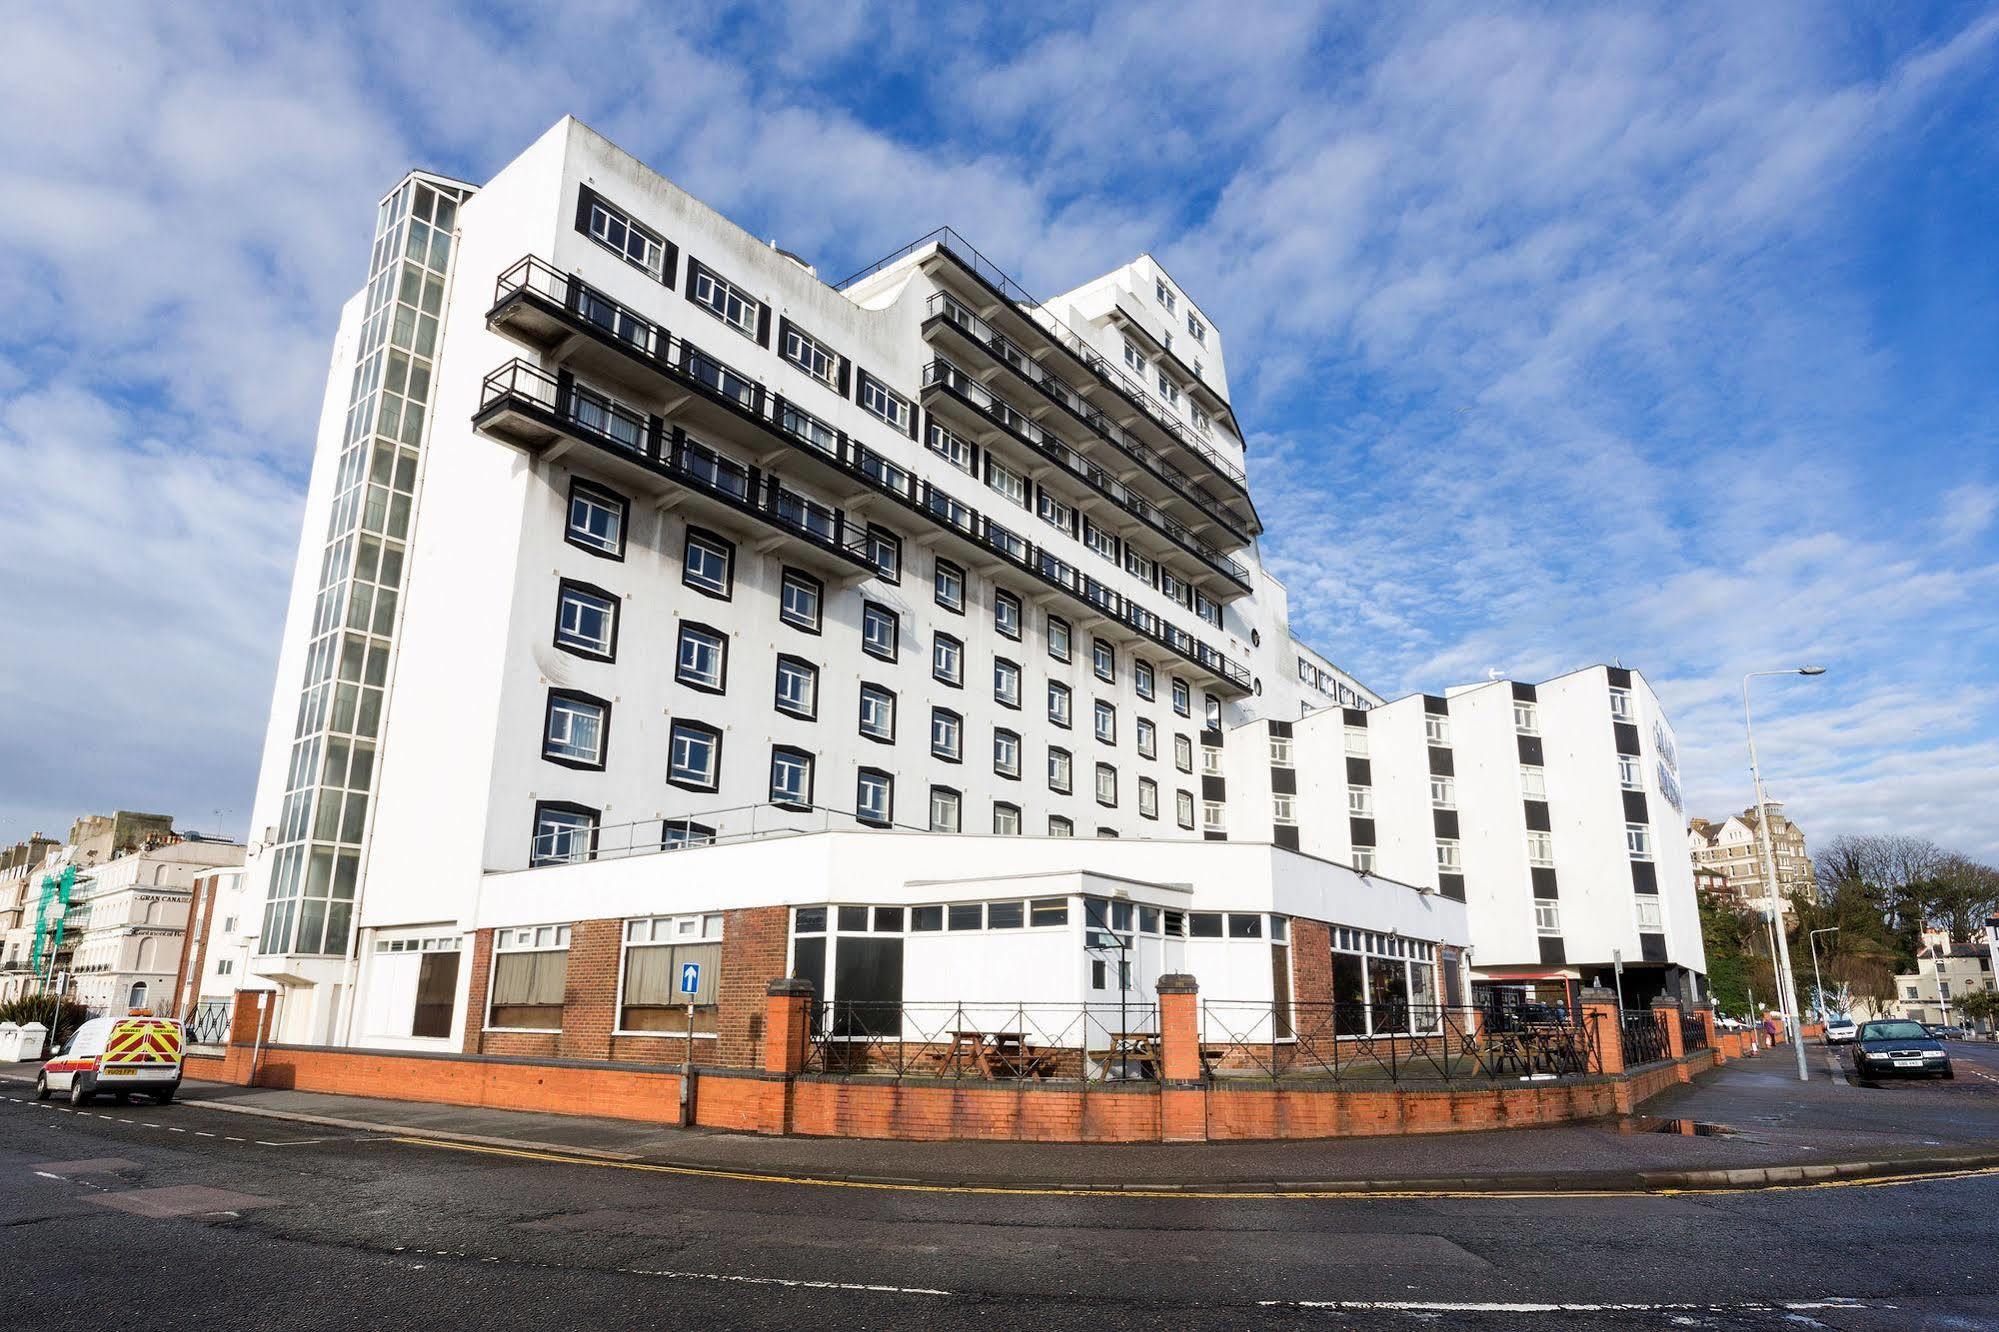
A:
1562,336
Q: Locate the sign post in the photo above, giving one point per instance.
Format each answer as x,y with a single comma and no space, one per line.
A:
690,985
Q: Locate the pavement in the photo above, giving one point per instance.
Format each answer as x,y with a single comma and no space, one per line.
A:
1748,1124
236,1219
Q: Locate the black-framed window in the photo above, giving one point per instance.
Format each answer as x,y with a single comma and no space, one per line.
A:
576,730
1183,753
1147,736
675,834
1061,704
614,229
1103,659
797,691
1183,808
1060,825
726,301
1211,711
801,601
874,797
877,720
879,400
881,631
1006,683
701,660
597,519
811,355
1006,613
947,807
1058,638
708,564
1061,771
1104,721
948,585
947,735
694,755
1006,823
1142,679
947,660
790,776
586,620
1006,753
563,833
885,553
1183,698
1148,798
1107,785
949,447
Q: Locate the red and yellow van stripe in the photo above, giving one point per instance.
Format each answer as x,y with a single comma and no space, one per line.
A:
143,1041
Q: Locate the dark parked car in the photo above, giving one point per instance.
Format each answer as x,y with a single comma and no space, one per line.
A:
1898,1049
1941,1032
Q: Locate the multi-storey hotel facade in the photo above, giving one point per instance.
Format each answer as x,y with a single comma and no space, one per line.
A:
660,603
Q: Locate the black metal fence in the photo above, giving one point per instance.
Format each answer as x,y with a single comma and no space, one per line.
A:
1644,1039
987,1042
1393,1044
1693,1031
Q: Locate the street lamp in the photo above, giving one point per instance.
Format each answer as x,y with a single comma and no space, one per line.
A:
1787,992
1818,985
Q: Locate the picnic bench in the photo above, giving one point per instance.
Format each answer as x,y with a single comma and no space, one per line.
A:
996,1054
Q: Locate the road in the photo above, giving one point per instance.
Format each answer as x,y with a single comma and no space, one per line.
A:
327,1228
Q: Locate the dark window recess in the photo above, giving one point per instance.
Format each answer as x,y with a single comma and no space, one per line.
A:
1537,815
1452,886
1553,954
853,918
1544,881
1206,836
1620,676
1280,728
926,918
1362,831
1530,750
808,962
1627,737
1437,704
1285,835
1354,716
1441,762
1360,772
867,986
1211,736
1644,876
1652,948
1634,807
436,984
968,916
1214,788
1445,822
1004,916
1204,925
1523,693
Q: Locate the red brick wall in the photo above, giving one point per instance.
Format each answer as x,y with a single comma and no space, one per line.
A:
1311,962
590,999
753,954
193,947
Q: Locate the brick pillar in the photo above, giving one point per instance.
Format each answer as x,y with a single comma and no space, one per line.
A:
590,994
475,1005
1666,1012
1183,1093
1704,1010
787,1039
249,1027
1599,1013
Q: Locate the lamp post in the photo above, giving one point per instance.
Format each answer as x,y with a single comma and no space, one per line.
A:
1787,990
1818,985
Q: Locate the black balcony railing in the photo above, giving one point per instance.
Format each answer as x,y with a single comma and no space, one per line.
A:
578,307
580,411
949,242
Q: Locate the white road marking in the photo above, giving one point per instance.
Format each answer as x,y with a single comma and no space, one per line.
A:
1497,1306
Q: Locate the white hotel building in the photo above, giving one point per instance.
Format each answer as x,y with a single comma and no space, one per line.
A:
921,622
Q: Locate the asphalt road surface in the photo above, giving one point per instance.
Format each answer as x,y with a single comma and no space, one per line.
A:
180,1216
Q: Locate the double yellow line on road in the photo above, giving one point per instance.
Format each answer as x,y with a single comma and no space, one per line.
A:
1210,1195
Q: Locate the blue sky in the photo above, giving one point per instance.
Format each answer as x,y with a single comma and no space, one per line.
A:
1562,335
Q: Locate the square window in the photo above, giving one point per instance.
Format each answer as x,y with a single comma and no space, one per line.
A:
1443,793
1006,481
1103,659
790,777
1106,784
1058,638
1638,841
1006,682
1526,717
1106,722
709,563
563,834
880,631
811,356
881,401
1651,920
1620,704
1148,739
944,817
1054,512
1006,753
1534,783
1148,798
1547,916
1214,817
1284,809
951,448
1183,698
695,752
1006,614
1281,751
947,731
800,600
626,238
1183,753
1061,826
949,586
947,660
586,620
1356,738
1060,770
874,797
877,713
575,730
1006,823
1142,679
1436,729
967,916
725,301
1183,808
1540,849
1630,772
703,658
1449,861
596,519
1058,704
885,553
797,687
1360,801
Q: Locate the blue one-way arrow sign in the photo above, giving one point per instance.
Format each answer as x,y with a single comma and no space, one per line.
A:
690,978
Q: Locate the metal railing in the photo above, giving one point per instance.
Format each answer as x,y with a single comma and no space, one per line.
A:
942,305
653,346
725,826
1693,1031
1644,1039
207,1023
950,242
1393,1043
987,1042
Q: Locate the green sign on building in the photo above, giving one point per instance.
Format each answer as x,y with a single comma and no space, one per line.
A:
49,914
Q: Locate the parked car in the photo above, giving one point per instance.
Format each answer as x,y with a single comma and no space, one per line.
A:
1726,1023
1940,1032
1841,1031
119,1055
1899,1049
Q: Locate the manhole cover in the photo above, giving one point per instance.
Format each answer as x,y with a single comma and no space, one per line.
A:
183,1200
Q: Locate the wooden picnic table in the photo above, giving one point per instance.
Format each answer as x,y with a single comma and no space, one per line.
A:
998,1054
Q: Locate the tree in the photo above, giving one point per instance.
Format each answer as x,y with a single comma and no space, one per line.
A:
1981,1006
1957,896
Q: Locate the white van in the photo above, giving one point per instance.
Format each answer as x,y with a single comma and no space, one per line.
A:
120,1055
